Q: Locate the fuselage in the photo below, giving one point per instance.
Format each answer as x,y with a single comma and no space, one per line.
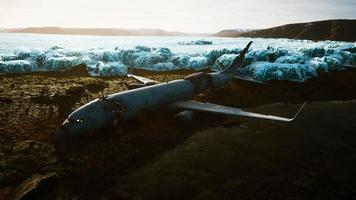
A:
123,106
150,97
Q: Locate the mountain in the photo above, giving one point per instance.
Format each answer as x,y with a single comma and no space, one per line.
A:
338,30
101,31
231,32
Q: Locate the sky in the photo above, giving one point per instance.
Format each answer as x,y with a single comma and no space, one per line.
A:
196,16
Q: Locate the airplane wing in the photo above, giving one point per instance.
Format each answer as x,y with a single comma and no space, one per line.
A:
349,66
249,79
142,80
218,109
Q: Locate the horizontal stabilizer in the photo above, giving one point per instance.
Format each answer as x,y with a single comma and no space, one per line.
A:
142,80
219,109
249,79
349,66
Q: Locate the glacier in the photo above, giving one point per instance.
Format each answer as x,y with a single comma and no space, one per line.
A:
278,59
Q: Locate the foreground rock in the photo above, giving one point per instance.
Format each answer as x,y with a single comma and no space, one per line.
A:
36,187
19,159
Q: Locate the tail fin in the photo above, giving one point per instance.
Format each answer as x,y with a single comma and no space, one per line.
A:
237,62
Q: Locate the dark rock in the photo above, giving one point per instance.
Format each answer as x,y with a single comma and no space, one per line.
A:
36,187
24,158
96,86
77,70
5,100
42,99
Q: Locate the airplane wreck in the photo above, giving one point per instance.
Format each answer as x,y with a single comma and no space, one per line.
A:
150,95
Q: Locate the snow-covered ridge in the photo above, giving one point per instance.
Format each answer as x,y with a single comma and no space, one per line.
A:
268,63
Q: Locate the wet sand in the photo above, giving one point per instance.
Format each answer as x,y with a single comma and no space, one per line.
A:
158,157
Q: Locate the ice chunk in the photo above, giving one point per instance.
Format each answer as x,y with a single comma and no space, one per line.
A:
270,54
319,65
17,66
30,54
165,53
285,62
224,61
41,60
353,59
104,55
345,47
142,48
8,57
291,59
198,62
181,60
333,63
216,53
143,57
313,52
146,59
108,69
61,63
164,66
55,47
197,42
278,71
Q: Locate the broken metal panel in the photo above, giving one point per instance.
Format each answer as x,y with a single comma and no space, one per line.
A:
201,81
220,80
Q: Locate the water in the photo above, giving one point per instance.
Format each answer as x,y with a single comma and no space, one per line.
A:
110,55
10,42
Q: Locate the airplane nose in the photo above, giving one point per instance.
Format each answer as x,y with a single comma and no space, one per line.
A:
60,134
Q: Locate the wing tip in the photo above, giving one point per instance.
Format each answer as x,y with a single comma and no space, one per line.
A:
299,111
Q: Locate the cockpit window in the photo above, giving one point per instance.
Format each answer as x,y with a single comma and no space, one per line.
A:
77,121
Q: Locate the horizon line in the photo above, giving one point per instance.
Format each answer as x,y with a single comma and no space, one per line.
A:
167,30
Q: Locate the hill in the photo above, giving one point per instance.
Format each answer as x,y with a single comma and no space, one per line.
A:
100,31
231,32
338,30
